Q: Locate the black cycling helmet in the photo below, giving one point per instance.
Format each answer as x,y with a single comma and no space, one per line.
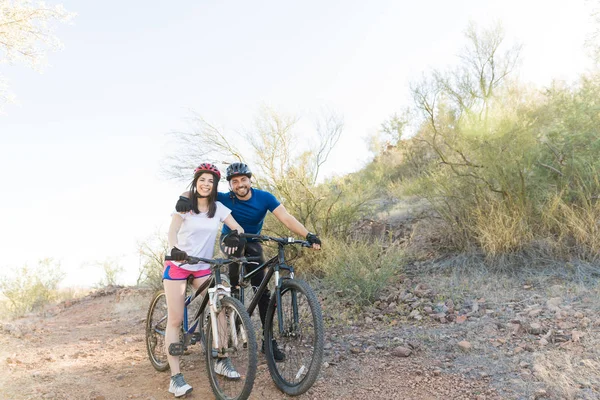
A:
237,169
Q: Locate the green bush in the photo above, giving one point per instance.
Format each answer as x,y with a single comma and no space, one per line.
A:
359,270
29,289
152,253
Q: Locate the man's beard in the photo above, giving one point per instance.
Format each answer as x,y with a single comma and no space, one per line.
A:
242,191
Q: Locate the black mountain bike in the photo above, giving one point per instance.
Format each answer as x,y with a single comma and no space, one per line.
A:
219,322
293,319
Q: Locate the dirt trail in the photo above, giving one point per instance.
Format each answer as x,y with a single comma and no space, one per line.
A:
94,349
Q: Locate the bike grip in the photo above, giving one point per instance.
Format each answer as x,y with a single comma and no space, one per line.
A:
250,235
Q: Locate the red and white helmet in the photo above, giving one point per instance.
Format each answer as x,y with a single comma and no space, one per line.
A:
208,167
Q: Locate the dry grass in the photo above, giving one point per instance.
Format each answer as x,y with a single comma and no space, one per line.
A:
568,374
501,229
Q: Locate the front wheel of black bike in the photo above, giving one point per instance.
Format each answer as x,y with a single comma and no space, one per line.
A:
301,340
234,377
156,324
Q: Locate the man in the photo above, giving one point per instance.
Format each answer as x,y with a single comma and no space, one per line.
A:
249,208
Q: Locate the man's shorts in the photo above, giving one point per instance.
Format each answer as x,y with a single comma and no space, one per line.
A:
173,272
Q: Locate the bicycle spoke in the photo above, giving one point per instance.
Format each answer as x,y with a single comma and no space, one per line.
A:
238,345
300,340
156,323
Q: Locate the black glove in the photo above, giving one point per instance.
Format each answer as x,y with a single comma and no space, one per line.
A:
232,239
178,255
183,204
313,239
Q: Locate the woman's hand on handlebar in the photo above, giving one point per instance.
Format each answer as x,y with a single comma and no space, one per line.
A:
178,255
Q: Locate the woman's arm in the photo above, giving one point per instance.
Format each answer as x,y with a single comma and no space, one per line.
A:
232,224
176,221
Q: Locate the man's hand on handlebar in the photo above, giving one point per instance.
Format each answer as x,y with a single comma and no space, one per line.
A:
231,242
314,241
183,205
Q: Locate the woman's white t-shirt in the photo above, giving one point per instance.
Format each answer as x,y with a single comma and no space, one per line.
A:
198,233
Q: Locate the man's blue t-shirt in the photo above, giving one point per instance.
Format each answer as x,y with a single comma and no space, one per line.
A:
250,214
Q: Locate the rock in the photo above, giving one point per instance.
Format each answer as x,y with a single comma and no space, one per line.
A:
439,316
543,342
534,328
422,290
401,351
579,315
413,345
415,314
576,336
461,319
465,346
355,350
540,393
554,303
535,312
327,346
368,320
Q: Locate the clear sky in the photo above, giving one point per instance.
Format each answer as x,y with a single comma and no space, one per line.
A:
80,154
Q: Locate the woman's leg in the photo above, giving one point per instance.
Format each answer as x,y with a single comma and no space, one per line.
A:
175,293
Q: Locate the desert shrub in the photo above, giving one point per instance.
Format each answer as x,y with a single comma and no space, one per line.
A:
359,270
111,269
30,288
152,252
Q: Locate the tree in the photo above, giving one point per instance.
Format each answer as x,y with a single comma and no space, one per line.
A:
283,161
26,33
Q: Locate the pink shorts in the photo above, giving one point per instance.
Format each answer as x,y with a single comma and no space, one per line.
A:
173,272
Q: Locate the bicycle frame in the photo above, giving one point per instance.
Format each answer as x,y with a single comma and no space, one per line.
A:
274,266
215,288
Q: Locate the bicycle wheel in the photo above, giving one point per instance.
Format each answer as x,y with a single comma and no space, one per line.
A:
301,340
156,323
237,342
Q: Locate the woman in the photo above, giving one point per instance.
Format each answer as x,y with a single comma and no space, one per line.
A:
194,234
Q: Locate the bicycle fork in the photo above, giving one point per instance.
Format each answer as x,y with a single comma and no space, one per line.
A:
280,306
215,295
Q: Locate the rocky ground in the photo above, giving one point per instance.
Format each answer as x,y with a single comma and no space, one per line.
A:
428,337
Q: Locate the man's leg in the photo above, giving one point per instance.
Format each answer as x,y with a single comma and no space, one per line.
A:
254,249
234,273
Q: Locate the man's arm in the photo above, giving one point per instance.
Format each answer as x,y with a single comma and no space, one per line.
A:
292,223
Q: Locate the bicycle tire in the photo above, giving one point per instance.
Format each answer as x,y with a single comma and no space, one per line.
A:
242,353
301,344
156,323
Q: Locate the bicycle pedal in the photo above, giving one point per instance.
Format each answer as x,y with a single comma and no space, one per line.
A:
196,337
177,349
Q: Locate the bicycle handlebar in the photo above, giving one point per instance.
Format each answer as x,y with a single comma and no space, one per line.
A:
280,240
214,261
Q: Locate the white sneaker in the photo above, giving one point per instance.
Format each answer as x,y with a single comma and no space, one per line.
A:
224,368
178,386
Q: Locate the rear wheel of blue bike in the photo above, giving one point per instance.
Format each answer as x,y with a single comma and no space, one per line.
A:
232,365
156,324
300,337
